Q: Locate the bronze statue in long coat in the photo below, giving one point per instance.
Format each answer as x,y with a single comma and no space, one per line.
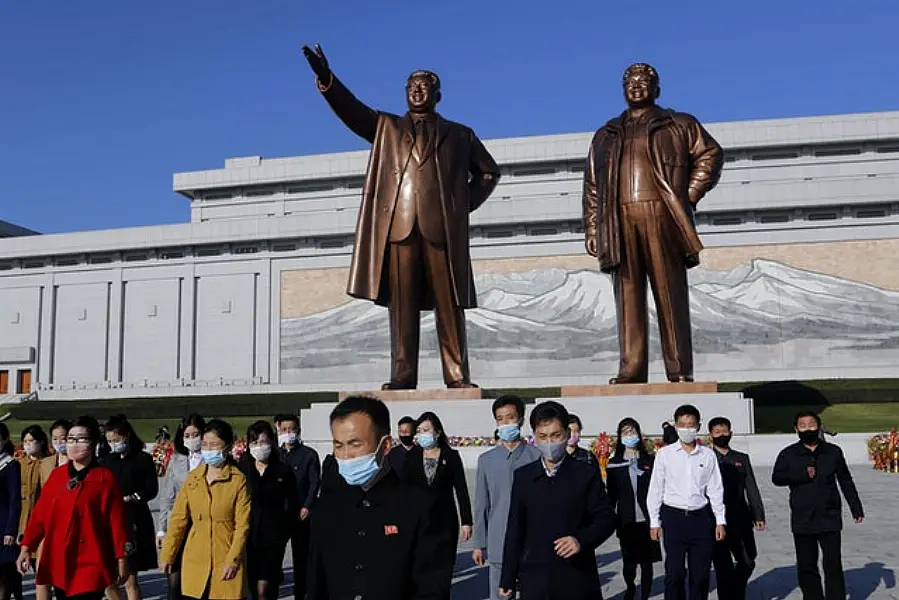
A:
425,176
646,171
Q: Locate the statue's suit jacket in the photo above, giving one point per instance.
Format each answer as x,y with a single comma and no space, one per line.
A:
458,152
684,157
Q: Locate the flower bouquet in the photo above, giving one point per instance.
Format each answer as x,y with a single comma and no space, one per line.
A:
239,448
602,449
883,451
471,442
162,455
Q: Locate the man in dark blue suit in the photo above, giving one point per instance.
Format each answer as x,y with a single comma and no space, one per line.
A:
559,515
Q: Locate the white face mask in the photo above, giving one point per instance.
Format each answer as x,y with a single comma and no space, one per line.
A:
687,434
261,452
287,439
30,448
193,444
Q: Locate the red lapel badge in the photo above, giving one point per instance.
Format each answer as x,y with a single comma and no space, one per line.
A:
391,530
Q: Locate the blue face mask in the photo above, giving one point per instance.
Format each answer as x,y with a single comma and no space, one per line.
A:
359,470
213,458
630,441
508,433
60,448
119,448
426,440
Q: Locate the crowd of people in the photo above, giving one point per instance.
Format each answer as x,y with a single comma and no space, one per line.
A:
379,519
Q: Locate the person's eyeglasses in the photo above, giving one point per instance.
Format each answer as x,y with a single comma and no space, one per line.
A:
78,440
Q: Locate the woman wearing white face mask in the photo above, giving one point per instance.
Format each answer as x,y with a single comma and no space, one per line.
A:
435,467
35,448
188,440
274,501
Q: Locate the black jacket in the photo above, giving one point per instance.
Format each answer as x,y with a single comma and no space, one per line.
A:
397,458
449,479
621,492
375,545
544,509
815,504
306,467
742,499
274,502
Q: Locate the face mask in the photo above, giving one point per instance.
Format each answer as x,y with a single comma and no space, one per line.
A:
407,440
79,452
509,433
60,448
630,441
261,453
553,451
573,440
809,436
426,440
213,458
686,434
722,441
119,448
30,448
359,470
287,439
193,444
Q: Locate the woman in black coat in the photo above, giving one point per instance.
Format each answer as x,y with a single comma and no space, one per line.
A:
628,474
275,507
435,467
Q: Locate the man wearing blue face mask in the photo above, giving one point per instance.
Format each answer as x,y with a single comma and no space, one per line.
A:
371,535
558,515
494,486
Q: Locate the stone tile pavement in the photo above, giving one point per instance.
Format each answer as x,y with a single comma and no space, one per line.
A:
870,552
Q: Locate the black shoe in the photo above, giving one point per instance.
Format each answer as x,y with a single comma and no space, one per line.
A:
397,385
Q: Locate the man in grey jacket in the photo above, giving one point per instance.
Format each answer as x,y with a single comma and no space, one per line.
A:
493,490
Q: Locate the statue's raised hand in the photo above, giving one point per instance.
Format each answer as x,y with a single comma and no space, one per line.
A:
318,62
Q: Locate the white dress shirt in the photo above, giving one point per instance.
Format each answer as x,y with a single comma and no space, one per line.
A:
195,460
685,480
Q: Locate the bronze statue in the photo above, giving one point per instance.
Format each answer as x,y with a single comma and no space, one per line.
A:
646,171
425,175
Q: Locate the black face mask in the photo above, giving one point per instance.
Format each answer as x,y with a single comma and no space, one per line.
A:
407,440
809,436
722,441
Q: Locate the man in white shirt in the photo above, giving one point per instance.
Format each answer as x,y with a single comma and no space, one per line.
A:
686,500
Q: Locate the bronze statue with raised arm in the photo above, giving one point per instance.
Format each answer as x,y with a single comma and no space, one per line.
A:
425,176
646,171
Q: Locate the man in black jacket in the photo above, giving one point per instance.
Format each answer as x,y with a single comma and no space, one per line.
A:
371,535
734,556
406,433
559,514
811,468
303,462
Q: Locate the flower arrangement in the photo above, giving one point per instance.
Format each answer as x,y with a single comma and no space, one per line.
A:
239,448
162,455
883,451
471,442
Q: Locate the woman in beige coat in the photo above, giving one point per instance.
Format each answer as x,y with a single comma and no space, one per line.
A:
212,511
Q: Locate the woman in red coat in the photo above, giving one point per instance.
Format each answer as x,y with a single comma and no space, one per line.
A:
80,517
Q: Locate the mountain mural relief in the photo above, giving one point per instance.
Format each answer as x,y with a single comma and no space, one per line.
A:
556,320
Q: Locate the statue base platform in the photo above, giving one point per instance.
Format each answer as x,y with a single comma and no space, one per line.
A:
417,395
639,389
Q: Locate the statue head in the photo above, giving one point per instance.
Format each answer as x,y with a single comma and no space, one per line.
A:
641,85
422,91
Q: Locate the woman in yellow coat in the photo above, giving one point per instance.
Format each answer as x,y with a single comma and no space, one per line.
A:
212,511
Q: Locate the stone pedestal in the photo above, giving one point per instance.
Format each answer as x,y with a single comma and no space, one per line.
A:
639,389
417,395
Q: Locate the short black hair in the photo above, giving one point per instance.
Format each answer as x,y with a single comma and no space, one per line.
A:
807,413
549,411
573,419
39,436
407,420
286,418
686,410
257,429
719,421
224,431
92,426
373,408
61,423
8,447
121,425
192,420
509,400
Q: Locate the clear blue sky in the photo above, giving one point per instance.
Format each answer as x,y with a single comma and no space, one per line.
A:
101,101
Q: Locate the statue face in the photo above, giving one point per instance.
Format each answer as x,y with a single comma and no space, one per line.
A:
640,89
421,95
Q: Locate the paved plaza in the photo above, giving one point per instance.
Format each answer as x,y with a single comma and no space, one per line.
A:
870,551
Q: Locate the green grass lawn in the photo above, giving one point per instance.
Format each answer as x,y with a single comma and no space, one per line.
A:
843,418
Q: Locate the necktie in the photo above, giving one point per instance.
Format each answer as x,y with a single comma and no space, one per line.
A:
424,137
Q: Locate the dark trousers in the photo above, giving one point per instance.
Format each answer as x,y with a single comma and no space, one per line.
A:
417,267
807,566
651,245
299,548
689,542
734,560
